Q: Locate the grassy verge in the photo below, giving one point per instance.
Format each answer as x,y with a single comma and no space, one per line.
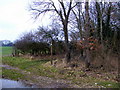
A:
37,67
12,74
109,84
22,63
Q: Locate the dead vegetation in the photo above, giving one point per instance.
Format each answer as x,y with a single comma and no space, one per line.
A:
75,71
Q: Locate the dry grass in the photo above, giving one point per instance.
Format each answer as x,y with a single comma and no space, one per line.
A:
107,61
77,74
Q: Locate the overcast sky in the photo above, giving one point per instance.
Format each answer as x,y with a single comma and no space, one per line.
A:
15,19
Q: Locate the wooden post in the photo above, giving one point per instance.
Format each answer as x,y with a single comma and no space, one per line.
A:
51,51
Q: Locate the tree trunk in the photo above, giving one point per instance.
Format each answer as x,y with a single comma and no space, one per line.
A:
79,27
87,29
98,21
108,30
87,61
67,56
51,51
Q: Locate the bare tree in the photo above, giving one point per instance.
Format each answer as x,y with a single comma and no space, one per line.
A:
87,30
78,14
49,35
62,9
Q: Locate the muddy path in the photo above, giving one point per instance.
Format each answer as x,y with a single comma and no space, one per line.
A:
41,81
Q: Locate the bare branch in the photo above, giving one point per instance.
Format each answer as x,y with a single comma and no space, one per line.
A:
62,4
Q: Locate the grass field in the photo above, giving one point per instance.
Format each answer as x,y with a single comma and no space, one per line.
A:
6,50
39,67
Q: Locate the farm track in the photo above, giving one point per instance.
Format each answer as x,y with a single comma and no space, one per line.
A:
41,81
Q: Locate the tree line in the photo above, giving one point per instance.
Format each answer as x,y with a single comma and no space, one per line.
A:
78,28
40,42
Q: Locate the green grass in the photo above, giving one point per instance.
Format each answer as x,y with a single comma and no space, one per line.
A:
34,66
6,50
37,67
109,84
12,74
22,63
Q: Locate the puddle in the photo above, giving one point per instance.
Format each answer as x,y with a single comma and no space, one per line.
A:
13,84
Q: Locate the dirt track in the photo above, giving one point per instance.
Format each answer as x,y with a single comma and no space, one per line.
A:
42,82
